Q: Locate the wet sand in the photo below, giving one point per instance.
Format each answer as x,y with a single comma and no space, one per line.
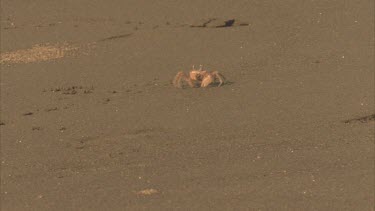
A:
91,121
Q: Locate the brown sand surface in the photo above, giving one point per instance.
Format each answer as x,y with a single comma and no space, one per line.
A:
91,121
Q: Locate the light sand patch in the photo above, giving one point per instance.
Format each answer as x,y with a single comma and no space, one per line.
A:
147,192
38,53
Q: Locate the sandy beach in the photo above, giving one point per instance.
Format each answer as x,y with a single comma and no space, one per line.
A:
90,119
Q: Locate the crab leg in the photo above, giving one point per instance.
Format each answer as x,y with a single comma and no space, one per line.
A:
219,76
182,76
177,79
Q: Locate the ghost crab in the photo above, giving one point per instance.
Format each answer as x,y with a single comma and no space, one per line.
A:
198,78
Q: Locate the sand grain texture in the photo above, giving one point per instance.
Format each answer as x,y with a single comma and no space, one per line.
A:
90,119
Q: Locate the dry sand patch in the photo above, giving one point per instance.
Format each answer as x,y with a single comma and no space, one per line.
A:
38,53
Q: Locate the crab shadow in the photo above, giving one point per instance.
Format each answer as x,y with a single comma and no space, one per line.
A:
212,85
216,84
